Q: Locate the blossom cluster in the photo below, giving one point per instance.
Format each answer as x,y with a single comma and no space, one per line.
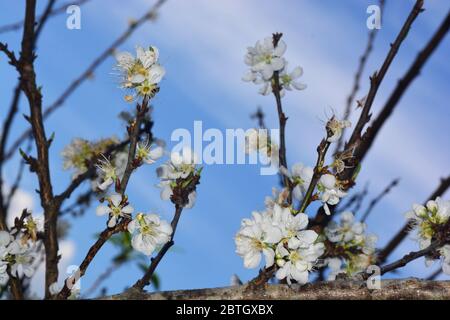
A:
265,59
349,249
328,190
178,172
430,220
141,73
20,248
282,238
80,152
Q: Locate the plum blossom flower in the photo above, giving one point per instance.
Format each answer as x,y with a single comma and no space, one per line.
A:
180,166
428,218
292,228
335,128
149,231
257,236
289,79
330,191
116,209
264,58
357,249
147,154
300,177
348,230
296,264
107,173
21,259
142,73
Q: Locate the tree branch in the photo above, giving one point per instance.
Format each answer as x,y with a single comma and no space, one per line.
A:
405,289
87,73
357,80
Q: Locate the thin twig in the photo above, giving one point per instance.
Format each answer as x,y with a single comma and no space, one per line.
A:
377,77
356,83
402,85
377,199
133,132
276,89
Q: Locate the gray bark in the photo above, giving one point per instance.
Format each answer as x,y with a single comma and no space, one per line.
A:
398,289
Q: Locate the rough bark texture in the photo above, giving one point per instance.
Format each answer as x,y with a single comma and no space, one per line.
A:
402,289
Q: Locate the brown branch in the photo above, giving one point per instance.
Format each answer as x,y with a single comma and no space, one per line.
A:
356,83
34,96
47,12
318,171
146,278
377,199
134,130
378,76
150,14
399,289
403,84
10,54
94,249
401,235
321,219
411,257
276,89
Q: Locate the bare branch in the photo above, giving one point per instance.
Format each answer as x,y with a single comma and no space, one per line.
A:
356,83
88,72
377,199
403,84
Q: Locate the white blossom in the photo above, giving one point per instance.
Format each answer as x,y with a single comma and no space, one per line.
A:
180,166
107,173
149,231
257,236
330,191
300,176
427,218
296,264
147,154
336,126
22,261
264,59
142,73
115,208
289,79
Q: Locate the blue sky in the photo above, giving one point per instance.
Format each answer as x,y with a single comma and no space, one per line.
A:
202,44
